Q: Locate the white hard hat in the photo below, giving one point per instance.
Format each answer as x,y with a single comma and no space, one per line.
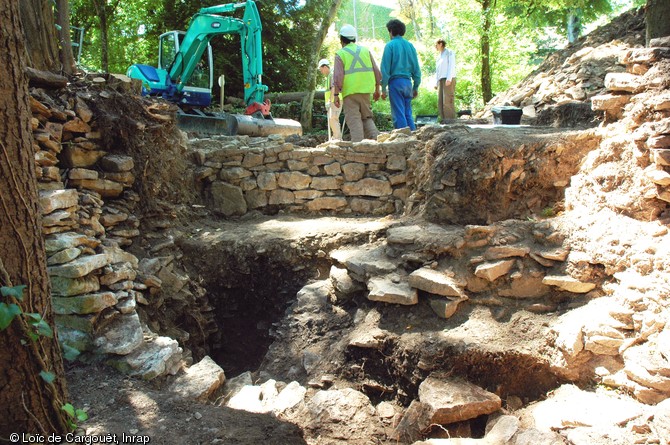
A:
348,31
323,62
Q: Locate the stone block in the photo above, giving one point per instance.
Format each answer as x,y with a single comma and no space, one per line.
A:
386,289
493,271
453,400
116,163
368,187
293,180
435,282
326,203
227,199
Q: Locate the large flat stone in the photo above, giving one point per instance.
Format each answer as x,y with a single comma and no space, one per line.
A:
435,282
387,290
80,266
568,283
456,400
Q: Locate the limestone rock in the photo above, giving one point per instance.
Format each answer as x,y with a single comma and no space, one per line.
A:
116,163
568,406
435,282
58,199
63,256
342,281
66,287
455,400
367,187
200,381
326,203
83,304
107,188
568,283
364,261
445,307
500,252
150,359
337,408
387,290
80,266
493,271
293,180
228,199
122,336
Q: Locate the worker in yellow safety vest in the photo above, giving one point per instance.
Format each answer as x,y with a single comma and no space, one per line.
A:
356,76
333,112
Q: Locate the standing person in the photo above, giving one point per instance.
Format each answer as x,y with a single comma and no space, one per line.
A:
445,81
401,74
332,111
356,76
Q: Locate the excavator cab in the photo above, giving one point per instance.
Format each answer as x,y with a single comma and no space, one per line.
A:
198,88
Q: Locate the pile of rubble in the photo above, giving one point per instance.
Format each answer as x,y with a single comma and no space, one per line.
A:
559,91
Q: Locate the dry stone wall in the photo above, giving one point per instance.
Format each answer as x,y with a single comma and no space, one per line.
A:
242,174
89,219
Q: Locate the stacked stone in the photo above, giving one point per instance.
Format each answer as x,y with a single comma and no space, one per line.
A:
87,208
641,95
575,74
365,178
581,77
484,264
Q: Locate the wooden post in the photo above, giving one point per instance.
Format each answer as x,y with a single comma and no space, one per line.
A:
222,83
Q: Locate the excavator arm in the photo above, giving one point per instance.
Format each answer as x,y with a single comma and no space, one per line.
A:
180,55
206,24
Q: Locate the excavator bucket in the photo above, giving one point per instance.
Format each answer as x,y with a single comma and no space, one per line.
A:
207,123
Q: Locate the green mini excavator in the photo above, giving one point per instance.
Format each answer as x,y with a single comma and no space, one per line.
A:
185,76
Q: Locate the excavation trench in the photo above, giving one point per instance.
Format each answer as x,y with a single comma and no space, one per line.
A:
263,326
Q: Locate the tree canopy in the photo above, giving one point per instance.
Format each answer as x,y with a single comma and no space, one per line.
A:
497,42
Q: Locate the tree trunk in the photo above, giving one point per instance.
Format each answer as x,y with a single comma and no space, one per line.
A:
27,402
485,46
658,19
308,101
574,25
40,34
101,9
432,25
66,56
409,9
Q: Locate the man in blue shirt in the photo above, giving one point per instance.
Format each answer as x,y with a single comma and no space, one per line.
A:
400,74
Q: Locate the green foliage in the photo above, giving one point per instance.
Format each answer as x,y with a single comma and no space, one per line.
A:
70,353
74,415
13,292
425,102
520,38
48,376
34,327
9,311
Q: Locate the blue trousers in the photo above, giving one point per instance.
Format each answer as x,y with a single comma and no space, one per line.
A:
400,97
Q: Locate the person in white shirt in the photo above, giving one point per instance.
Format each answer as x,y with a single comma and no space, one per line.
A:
445,81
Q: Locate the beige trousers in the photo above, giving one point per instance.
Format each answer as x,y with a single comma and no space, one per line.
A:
445,99
358,115
334,120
